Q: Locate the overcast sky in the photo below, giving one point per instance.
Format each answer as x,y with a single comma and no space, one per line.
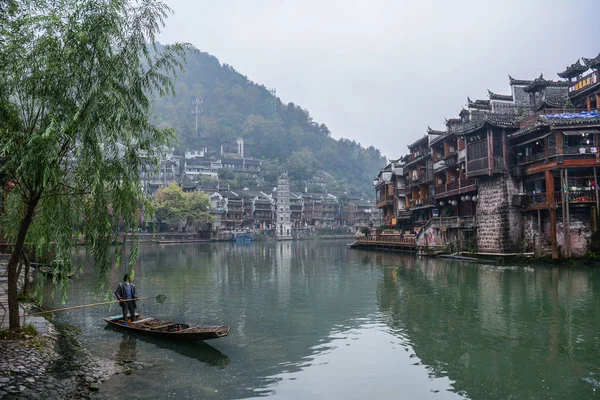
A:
380,71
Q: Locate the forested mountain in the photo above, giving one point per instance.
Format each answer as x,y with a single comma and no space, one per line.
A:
284,135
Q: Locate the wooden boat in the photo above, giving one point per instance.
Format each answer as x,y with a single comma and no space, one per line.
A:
169,330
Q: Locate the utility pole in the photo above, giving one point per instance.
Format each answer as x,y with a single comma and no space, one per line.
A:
197,104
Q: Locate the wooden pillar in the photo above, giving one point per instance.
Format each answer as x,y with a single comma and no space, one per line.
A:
552,205
588,103
596,187
563,200
490,143
553,233
539,233
549,178
567,226
597,100
504,149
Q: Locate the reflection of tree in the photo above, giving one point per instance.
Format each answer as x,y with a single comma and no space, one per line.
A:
498,333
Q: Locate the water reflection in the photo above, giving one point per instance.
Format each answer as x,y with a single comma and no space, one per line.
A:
315,319
127,352
200,351
487,328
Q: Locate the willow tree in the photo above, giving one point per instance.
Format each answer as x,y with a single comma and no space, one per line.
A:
77,80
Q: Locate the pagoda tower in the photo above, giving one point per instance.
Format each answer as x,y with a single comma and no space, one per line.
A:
283,224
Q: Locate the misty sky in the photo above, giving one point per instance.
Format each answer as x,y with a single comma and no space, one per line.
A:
379,72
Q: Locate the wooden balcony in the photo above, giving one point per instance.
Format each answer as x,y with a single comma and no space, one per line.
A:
538,201
454,188
454,222
385,201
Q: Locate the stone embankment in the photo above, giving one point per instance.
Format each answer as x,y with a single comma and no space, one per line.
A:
49,364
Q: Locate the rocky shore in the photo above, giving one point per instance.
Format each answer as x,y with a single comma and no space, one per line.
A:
49,363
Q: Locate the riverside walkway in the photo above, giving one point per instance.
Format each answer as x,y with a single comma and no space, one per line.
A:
385,242
38,322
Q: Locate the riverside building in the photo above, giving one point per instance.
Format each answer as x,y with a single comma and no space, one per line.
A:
515,173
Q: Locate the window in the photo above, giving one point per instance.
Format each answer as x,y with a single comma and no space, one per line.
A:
578,139
477,150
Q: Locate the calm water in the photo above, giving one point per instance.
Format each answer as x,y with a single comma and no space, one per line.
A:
318,320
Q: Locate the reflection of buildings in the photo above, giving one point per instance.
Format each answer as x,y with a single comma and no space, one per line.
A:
488,328
282,271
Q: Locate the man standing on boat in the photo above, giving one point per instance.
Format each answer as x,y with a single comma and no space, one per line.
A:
125,293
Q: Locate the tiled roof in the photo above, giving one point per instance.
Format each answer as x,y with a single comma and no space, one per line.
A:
230,195
551,101
499,120
186,182
470,126
527,130
501,97
540,82
518,82
573,70
502,120
434,131
592,62
478,104
441,137
418,141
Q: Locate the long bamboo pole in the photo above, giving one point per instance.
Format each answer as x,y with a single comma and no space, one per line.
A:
91,305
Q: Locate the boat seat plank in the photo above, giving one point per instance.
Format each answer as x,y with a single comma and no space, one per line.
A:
142,320
163,326
120,316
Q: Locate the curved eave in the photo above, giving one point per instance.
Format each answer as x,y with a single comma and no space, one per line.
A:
593,63
525,131
519,82
417,142
441,138
573,70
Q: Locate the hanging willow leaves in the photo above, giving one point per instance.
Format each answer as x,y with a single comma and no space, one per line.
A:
76,81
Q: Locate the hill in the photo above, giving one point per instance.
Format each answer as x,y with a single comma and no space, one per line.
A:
283,135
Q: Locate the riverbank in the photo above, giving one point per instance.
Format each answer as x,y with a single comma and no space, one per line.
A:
45,361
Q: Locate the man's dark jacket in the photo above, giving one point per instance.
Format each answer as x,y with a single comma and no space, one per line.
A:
121,293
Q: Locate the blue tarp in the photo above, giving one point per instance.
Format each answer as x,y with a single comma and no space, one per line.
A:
583,114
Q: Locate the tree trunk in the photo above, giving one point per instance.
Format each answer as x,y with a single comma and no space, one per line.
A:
27,273
13,263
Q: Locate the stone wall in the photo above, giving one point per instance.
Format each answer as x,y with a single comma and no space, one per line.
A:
499,223
451,239
580,232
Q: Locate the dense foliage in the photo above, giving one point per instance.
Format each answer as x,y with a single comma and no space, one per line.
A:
284,135
171,202
76,79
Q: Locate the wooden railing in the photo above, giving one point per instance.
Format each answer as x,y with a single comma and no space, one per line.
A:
575,196
385,200
454,222
387,240
467,184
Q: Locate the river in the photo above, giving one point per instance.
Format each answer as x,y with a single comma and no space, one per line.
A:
314,319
